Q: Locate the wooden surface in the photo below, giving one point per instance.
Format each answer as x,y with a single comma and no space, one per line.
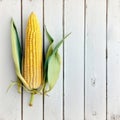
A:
95,60
89,83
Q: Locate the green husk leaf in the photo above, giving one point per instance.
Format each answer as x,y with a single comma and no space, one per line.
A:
16,48
53,70
52,65
49,52
19,84
51,40
50,48
17,53
11,85
58,45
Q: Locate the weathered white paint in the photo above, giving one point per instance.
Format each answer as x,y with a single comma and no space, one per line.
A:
35,112
10,103
113,60
53,21
95,60
74,60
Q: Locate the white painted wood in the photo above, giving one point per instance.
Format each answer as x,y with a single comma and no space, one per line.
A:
74,60
53,22
113,60
95,60
10,103
36,111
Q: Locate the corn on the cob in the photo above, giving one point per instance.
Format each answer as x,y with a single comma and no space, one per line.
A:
32,63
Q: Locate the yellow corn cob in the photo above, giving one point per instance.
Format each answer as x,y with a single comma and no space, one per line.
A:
32,63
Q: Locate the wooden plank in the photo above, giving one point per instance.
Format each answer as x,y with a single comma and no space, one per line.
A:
53,22
113,60
74,60
10,103
36,111
95,60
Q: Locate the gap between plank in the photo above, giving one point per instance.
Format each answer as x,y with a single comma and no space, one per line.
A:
22,54
106,58
43,54
84,53
63,32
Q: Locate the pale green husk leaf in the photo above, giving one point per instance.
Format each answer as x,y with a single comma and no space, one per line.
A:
17,53
52,63
53,70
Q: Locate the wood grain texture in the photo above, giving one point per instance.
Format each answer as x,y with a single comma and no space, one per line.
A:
113,59
53,20
36,111
95,60
10,103
74,60
80,92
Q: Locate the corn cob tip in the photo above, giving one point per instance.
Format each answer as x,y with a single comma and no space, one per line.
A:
32,14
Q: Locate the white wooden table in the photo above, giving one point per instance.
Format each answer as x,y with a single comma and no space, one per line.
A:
89,83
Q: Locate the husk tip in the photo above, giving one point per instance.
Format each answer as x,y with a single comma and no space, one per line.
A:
12,21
